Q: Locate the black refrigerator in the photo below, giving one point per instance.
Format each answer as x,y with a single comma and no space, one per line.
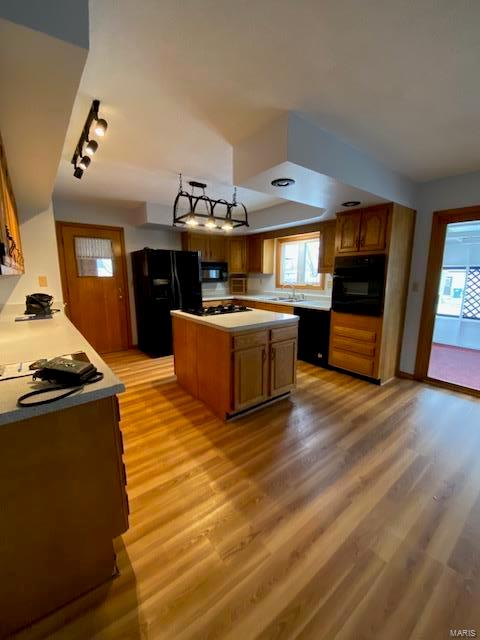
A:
163,280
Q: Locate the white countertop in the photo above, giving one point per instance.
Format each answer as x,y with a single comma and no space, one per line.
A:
35,339
241,321
321,304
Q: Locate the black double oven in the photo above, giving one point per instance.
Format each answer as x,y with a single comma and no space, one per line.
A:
359,284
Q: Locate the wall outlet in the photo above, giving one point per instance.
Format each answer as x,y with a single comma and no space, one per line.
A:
42,281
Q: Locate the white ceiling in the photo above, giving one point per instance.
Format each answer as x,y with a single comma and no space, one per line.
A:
181,82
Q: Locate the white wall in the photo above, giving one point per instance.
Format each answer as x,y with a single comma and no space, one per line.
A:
135,237
39,246
449,193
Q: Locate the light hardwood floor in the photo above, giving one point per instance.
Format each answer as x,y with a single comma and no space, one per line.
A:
348,511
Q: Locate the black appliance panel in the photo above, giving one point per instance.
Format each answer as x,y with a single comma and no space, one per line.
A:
163,280
313,335
359,284
214,271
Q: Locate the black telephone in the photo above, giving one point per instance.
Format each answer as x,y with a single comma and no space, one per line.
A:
62,374
39,304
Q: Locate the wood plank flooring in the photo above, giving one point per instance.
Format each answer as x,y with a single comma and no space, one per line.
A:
347,511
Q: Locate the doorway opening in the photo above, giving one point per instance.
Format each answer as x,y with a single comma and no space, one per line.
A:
449,346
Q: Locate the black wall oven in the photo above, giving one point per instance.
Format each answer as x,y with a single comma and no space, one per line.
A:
214,272
359,284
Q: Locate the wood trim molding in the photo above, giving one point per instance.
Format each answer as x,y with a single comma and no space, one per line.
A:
440,221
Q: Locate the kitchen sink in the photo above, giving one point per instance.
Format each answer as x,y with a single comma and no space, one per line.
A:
285,299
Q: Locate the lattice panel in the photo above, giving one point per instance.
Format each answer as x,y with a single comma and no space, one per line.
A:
471,303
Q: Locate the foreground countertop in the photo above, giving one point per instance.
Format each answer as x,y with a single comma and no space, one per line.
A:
35,339
320,304
242,321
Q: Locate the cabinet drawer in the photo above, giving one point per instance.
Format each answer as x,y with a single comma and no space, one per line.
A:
246,340
354,346
283,333
352,362
366,335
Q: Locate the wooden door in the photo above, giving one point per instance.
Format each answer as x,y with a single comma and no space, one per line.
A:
283,357
94,281
326,253
373,229
217,248
250,376
347,235
237,255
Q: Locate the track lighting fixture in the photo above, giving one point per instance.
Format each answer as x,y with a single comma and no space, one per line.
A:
214,217
82,156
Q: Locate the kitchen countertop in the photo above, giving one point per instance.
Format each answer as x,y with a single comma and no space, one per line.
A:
309,303
35,339
242,321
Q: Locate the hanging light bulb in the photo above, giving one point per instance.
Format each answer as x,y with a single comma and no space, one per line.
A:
101,127
227,225
191,220
84,162
210,223
91,147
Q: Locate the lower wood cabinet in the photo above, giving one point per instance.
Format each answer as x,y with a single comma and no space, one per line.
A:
283,357
355,343
250,375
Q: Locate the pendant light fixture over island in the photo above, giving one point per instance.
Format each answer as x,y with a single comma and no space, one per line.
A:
203,211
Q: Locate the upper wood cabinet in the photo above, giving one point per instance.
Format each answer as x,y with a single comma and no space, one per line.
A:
373,229
11,256
237,259
326,253
212,248
260,255
362,230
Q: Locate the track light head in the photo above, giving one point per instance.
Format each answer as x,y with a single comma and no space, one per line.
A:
91,147
84,162
101,127
78,173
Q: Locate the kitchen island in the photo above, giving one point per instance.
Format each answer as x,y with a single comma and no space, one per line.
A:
236,361
62,480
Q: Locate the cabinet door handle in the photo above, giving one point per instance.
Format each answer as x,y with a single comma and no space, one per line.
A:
272,354
264,355
362,241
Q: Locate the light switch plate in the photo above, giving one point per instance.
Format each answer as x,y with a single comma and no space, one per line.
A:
42,281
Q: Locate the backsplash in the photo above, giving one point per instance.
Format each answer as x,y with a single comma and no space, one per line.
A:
210,289
258,284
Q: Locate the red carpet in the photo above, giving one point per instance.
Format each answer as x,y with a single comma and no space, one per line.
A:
456,365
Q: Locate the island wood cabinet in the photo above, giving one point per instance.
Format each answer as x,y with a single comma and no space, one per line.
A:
249,367
260,255
362,230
